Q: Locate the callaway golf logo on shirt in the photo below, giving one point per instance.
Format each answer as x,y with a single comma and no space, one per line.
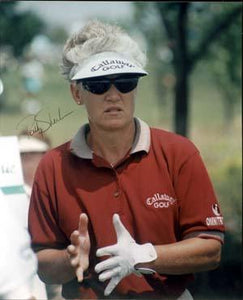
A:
160,201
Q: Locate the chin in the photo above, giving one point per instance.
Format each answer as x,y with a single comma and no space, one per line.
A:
114,124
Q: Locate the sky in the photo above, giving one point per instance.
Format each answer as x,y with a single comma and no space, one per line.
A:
68,13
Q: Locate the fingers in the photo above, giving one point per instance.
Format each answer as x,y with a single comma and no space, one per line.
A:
78,250
107,264
109,250
80,274
119,228
83,224
111,285
81,236
71,249
73,255
121,231
110,273
74,259
75,238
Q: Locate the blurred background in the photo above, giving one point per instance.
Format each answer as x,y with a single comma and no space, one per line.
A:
194,88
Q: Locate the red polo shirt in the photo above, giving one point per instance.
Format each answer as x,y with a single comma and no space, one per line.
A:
161,190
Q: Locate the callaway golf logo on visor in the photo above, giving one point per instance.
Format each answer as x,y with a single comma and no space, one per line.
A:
106,63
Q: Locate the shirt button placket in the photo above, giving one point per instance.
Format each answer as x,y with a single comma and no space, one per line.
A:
117,191
116,194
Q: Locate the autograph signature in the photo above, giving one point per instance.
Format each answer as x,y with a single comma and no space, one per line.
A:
36,124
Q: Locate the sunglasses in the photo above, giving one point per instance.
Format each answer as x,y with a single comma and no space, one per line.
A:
100,86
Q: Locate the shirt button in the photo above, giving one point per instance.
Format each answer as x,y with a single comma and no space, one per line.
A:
116,194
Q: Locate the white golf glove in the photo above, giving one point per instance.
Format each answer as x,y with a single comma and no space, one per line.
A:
125,254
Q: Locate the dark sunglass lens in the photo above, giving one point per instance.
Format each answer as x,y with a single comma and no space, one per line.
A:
97,87
126,85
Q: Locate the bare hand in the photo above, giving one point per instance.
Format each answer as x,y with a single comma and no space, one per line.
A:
78,250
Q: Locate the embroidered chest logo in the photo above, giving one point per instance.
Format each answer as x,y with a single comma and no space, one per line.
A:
160,201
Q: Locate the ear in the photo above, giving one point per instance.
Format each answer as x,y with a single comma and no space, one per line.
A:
76,93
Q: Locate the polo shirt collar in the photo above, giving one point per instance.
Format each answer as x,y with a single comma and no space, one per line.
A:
80,148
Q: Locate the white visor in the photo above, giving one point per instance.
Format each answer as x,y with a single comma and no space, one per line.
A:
104,64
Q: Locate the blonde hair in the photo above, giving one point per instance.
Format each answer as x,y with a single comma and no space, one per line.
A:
94,38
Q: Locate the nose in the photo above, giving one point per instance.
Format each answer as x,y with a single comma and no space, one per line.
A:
112,94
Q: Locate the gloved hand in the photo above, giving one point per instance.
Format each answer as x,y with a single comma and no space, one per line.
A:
125,254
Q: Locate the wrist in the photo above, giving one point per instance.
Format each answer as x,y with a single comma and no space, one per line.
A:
146,258
146,253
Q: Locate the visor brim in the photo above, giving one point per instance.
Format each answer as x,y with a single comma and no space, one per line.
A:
107,63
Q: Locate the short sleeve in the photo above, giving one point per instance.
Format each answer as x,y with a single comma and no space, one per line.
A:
43,217
199,211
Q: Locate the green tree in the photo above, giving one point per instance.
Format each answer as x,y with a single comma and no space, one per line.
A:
191,29
17,28
225,65
57,34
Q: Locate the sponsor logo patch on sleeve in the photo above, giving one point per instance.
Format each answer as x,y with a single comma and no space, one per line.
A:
218,219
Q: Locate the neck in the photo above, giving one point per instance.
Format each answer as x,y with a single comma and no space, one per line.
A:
111,145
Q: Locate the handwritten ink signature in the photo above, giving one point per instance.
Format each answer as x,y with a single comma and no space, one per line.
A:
36,124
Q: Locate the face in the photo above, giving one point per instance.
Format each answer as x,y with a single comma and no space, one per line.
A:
108,111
